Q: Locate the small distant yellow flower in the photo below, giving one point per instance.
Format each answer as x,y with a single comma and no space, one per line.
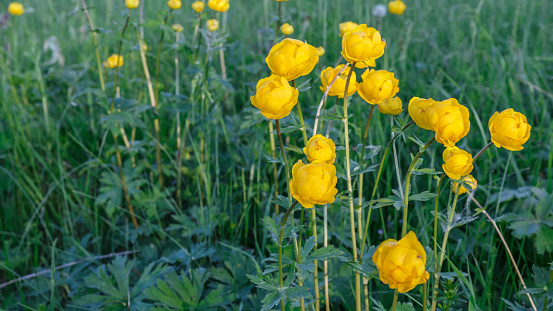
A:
391,106
198,6
509,129
457,162
292,59
320,148
177,27
401,264
212,25
174,4
377,86
418,110
114,61
466,181
363,44
287,29
219,5
346,26
313,183
16,8
275,97
396,7
449,120
144,46
320,51
339,86
132,4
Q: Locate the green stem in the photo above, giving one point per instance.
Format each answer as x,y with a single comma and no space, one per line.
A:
316,269
283,152
96,49
436,222
159,56
278,23
482,151
424,296
300,282
280,238
394,303
116,78
360,180
300,115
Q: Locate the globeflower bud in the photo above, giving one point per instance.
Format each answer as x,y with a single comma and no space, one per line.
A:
16,8
396,7
198,6
363,44
114,61
132,4
377,86
339,86
291,59
212,25
346,26
219,5
313,183
275,97
418,110
174,4
467,181
391,106
509,129
457,162
401,264
177,27
449,120
287,29
320,148
320,51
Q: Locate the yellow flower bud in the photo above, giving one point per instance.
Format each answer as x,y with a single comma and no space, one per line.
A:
457,162
16,8
339,86
174,4
313,183
132,4
219,5
320,51
346,26
114,61
362,44
287,29
320,148
391,106
377,86
418,110
292,59
467,181
212,25
509,129
177,27
396,7
275,97
401,264
449,120
198,6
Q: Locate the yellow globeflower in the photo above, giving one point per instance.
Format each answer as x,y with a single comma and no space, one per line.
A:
457,162
114,61
418,110
339,86
292,59
363,44
377,86
449,120
320,148
396,7
174,4
287,29
391,106
132,4
320,51
16,8
345,27
467,181
212,25
198,6
401,264
219,5
313,183
275,97
509,129
177,27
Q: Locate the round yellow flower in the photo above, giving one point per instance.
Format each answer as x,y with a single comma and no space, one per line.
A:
377,86
16,8
313,183
320,51
449,120
114,61
509,129
292,59
287,29
177,27
401,264
339,86
219,5
363,44
467,181
174,4
212,25
320,148
132,4
391,106
198,6
396,7
345,27
418,110
457,162
275,97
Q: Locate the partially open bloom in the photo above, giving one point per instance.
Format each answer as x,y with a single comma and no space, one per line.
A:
401,264
313,183
377,86
219,5
320,51
177,27
449,120
418,110
212,25
467,181
198,6
132,4
292,59
363,44
174,4
287,29
396,7
346,26
339,86
275,97
114,61
509,129
391,106
320,148
457,162
16,8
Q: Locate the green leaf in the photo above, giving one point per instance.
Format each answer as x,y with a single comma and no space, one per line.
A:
271,300
324,253
406,306
544,240
297,293
294,149
423,196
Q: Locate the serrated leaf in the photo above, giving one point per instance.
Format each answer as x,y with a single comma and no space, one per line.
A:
324,253
423,196
297,293
294,149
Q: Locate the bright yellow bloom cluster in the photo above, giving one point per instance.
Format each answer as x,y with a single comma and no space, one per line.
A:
345,27
313,183
198,6
16,8
339,86
466,181
396,7
114,61
219,5
391,106
291,59
320,148
378,86
457,162
509,129
275,97
174,4
287,29
212,25
363,45
132,4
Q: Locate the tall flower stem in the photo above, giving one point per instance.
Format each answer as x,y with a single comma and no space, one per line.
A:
116,78
300,115
96,49
280,238
196,31
123,183
436,276
300,282
179,140
482,151
283,153
325,244
316,269
278,21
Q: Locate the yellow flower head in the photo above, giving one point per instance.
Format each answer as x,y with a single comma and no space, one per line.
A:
287,29
418,110
292,59
401,264
320,51
212,25
16,8
339,86
449,120
198,6
114,61
219,5
509,129
391,106
275,97
467,181
457,162
320,148
177,27
313,183
377,86
396,7
174,4
132,4
362,44
345,27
